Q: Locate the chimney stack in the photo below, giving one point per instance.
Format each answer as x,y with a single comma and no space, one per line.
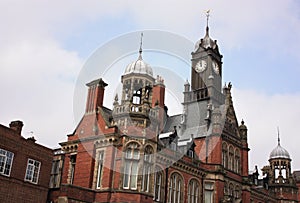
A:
16,126
95,95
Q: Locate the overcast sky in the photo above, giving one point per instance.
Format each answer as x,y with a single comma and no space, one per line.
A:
45,45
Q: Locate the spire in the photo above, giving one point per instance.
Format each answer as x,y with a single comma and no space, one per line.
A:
141,46
278,136
207,19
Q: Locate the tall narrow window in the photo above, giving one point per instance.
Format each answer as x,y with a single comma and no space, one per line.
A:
137,95
100,169
147,169
225,155
209,192
32,171
6,159
55,174
237,161
72,168
158,186
193,191
231,161
132,156
175,188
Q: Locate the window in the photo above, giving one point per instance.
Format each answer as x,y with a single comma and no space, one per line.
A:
209,192
55,174
175,189
158,186
100,169
231,161
32,171
225,188
137,95
72,168
147,169
193,191
6,159
225,155
132,156
230,193
237,161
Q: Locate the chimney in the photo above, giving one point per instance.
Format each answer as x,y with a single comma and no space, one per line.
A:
95,95
158,93
16,126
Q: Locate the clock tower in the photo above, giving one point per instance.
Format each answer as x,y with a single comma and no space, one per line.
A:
206,72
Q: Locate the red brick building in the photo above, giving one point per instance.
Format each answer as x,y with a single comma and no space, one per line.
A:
25,167
136,152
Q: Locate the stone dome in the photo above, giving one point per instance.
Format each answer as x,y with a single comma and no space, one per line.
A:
279,152
139,66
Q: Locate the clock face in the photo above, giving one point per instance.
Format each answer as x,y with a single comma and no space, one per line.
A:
216,67
200,66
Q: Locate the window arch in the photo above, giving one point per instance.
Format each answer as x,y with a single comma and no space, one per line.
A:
175,189
194,191
147,168
225,155
231,158
132,156
237,161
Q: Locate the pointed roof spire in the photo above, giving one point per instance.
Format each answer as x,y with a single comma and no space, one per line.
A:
278,135
207,13
141,46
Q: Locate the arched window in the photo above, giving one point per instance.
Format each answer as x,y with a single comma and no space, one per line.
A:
132,156
231,190
136,97
194,191
237,192
175,189
208,192
147,168
225,155
231,160
237,161
225,188
158,185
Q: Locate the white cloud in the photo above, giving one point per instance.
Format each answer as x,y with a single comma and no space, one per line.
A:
37,80
263,114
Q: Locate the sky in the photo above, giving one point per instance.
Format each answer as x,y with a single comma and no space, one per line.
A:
45,46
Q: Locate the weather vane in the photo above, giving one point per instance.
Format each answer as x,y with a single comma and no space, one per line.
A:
207,13
141,43
278,135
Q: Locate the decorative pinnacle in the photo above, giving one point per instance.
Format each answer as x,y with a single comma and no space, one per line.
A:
278,136
141,46
207,16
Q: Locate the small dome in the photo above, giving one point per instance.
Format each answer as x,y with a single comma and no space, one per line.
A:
279,152
139,66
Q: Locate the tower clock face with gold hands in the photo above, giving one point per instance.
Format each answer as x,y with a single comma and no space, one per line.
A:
216,67
200,66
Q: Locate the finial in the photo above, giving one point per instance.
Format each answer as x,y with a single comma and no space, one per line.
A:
141,46
207,16
278,135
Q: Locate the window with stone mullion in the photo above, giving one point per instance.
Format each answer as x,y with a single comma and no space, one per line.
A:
131,167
